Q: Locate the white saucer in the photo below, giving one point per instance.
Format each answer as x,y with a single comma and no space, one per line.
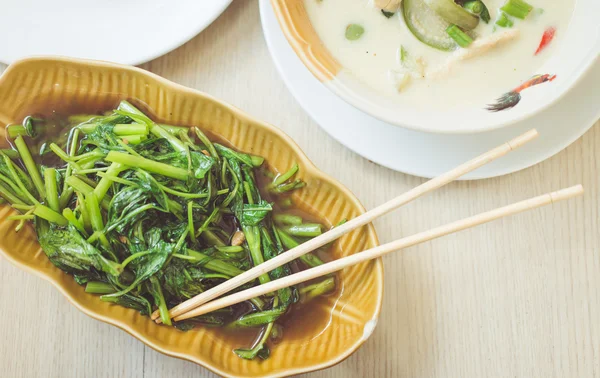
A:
423,154
129,32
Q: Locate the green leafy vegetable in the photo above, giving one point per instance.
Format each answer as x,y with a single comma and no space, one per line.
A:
136,302
146,265
68,250
159,300
258,319
253,214
143,214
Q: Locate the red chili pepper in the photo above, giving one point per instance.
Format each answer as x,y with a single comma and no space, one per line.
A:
546,39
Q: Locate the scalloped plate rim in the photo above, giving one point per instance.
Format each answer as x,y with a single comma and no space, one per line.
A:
255,123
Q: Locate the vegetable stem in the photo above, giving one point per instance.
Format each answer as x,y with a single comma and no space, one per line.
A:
14,131
159,132
252,234
504,21
51,189
20,217
80,186
517,8
207,143
230,249
130,129
94,211
207,221
8,195
475,6
66,194
96,220
116,179
105,183
12,169
211,238
87,128
159,300
94,287
459,36
14,188
257,160
304,230
190,216
174,129
133,139
148,165
10,153
190,195
133,257
287,219
310,292
50,215
83,210
32,168
81,118
70,216
289,242
286,176
213,264
250,354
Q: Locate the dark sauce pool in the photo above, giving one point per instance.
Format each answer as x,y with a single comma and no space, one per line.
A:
302,319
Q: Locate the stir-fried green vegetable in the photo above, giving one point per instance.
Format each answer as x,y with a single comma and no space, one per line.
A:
150,215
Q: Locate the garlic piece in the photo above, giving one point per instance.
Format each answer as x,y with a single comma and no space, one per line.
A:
238,238
400,79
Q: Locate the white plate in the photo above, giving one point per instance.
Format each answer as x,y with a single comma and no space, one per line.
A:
122,31
423,154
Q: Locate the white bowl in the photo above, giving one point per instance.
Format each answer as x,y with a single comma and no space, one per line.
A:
578,51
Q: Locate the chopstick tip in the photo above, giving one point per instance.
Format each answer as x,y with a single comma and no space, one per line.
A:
567,193
524,138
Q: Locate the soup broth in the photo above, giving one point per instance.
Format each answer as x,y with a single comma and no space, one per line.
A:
499,59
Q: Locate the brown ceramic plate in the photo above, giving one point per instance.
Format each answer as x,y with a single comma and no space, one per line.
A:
349,317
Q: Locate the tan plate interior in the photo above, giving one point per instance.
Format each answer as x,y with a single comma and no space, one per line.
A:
39,84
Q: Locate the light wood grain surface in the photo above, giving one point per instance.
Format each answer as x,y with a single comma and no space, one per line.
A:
518,297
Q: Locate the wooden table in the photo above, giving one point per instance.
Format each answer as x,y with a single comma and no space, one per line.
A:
516,298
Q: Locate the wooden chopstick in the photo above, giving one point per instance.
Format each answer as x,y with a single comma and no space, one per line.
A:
381,250
352,224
